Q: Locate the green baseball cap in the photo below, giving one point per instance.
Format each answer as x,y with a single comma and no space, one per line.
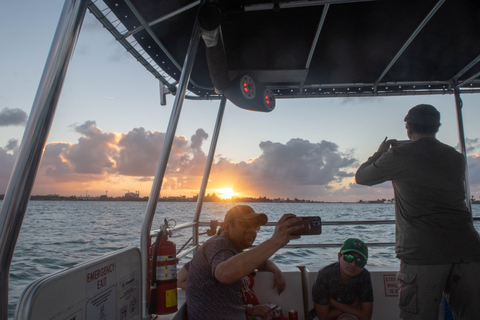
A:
355,245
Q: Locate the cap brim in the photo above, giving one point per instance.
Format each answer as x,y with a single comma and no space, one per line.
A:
261,218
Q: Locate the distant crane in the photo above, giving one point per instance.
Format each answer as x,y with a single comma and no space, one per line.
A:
106,193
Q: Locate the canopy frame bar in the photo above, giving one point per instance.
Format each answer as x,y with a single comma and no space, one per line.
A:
161,19
410,39
208,167
317,35
463,148
128,46
163,160
35,138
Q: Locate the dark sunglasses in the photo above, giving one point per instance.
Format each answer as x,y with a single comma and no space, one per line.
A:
359,262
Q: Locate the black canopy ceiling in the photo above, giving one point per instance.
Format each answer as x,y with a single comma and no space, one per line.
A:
320,48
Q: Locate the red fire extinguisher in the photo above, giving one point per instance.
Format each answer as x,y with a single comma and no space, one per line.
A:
163,296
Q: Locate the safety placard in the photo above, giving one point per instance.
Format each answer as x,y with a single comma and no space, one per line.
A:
100,276
102,306
171,298
390,283
166,267
128,303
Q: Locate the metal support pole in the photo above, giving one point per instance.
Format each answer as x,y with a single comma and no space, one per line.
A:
208,167
461,139
162,163
35,137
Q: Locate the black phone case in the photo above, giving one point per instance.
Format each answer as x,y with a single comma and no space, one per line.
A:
312,226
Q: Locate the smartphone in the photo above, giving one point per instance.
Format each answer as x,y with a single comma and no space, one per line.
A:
399,143
311,225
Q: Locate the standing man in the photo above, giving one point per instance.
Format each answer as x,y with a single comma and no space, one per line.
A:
438,247
215,274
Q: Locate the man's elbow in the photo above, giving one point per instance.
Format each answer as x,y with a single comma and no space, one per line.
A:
361,180
224,277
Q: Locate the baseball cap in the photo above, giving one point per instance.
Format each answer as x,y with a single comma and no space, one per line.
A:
423,115
245,212
355,245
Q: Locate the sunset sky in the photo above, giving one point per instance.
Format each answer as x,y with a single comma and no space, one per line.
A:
109,126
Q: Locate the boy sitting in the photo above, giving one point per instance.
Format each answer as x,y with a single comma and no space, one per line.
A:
343,290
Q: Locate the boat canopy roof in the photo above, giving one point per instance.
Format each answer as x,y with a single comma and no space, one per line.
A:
316,48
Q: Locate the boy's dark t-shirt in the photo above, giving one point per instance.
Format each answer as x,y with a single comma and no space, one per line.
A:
328,285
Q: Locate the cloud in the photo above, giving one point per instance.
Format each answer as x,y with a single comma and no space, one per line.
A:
101,155
12,145
280,168
8,156
93,154
471,145
474,170
296,168
301,162
473,161
12,117
139,151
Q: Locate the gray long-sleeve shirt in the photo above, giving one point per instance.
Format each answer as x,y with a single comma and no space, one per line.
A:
433,224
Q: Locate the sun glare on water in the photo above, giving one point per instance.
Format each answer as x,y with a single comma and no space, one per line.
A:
226,193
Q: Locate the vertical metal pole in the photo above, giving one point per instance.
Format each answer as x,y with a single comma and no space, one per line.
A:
461,138
162,163
208,167
35,137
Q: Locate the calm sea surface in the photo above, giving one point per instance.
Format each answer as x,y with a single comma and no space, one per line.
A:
59,234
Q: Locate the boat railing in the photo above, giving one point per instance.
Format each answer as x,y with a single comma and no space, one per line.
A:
183,252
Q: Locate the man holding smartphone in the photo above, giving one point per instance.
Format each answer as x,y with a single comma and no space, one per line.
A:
220,264
435,240
343,290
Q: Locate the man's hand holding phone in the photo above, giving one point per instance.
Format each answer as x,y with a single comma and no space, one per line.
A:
312,225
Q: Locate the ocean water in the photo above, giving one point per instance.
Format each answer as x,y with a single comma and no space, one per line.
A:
59,234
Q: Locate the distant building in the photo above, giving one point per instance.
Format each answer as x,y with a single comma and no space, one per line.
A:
131,195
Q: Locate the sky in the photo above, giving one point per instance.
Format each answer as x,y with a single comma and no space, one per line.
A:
109,126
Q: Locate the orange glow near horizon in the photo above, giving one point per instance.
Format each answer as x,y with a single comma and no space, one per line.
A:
226,193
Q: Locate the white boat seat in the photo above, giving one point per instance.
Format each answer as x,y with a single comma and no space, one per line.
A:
291,297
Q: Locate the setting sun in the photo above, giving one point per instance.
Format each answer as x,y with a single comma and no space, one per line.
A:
226,193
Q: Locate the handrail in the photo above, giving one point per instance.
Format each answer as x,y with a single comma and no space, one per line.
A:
300,245
187,251
271,224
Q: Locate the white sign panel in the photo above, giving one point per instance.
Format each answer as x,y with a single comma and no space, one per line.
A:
129,297
391,287
102,306
100,277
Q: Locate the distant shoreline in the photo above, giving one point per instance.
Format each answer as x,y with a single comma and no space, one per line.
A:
208,198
